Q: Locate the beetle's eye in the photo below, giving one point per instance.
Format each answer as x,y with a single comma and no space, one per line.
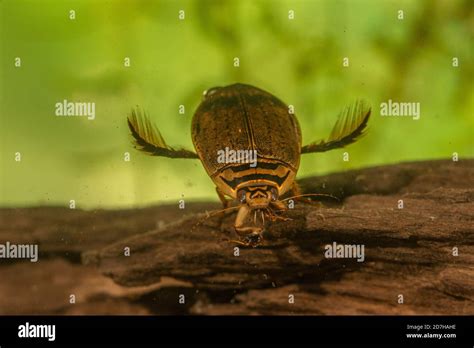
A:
274,195
242,197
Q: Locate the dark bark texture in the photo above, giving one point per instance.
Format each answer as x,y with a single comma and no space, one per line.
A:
422,252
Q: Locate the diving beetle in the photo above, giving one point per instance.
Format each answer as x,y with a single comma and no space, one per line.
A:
243,117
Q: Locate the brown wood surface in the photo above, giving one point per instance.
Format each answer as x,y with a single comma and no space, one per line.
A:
408,252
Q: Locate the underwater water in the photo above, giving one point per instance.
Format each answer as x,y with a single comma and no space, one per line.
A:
316,55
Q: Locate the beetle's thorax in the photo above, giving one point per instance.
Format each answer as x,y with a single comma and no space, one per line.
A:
269,173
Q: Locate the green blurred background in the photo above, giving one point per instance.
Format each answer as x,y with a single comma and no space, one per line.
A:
173,61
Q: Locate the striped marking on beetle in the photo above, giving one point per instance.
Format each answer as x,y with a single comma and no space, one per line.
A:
273,173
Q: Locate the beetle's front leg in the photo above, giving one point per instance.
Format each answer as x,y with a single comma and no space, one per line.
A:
251,234
240,220
278,206
225,201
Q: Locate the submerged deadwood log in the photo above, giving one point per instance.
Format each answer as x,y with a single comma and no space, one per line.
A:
414,221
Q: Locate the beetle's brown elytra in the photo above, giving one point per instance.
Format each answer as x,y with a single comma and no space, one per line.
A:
238,116
245,118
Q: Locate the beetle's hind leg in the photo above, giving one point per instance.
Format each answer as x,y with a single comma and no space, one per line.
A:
148,139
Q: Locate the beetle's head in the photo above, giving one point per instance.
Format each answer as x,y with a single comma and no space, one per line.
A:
257,197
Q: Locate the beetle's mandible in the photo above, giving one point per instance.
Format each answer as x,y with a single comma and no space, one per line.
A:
247,120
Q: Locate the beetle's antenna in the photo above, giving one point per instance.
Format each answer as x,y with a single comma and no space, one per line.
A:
212,213
314,195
